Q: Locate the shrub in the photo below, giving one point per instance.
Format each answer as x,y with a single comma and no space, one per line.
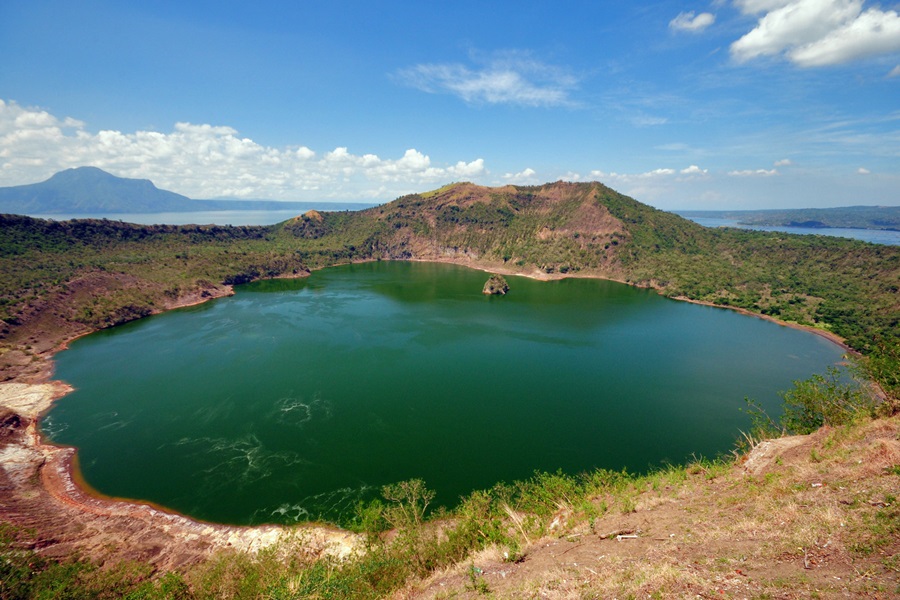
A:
827,399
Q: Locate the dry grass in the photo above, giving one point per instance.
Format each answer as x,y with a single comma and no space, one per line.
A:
818,520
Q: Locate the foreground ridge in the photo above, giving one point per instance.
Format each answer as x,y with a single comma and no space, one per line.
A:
812,515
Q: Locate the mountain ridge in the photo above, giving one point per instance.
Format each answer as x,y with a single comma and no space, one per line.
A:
89,189
92,191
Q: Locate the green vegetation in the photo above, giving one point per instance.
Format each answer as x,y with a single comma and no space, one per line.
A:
816,402
80,275
25,573
846,287
496,285
851,217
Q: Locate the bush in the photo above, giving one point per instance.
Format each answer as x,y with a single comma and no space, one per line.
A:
827,399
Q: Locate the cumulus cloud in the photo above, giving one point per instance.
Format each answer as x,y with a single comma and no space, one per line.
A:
691,22
511,78
816,33
522,177
784,162
664,172
207,161
754,173
863,171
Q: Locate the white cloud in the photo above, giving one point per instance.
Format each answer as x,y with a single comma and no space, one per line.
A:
510,78
895,72
648,121
674,147
784,162
660,173
873,32
522,177
863,171
752,173
688,21
815,33
752,7
207,161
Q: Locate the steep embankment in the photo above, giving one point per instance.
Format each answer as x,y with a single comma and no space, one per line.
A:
555,230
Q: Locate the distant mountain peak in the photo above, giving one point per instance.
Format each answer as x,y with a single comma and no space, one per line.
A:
89,189
89,173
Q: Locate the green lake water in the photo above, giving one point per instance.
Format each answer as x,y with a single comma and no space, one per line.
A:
292,400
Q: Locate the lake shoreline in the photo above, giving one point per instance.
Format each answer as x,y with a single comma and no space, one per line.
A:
43,492
65,496
46,492
542,276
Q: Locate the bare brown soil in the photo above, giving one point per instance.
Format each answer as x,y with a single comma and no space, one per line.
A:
801,517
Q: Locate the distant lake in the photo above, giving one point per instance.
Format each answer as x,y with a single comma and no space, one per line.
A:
293,400
270,217
875,236
209,217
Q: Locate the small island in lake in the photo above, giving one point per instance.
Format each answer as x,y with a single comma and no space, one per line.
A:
495,286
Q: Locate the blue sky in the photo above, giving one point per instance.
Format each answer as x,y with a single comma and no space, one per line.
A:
683,105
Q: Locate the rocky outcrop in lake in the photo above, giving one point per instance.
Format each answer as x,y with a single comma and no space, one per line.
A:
496,286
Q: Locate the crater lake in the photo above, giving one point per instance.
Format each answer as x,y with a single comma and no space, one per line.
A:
295,399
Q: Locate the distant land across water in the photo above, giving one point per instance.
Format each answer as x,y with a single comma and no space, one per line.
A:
249,215
845,217
89,192
874,224
252,216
